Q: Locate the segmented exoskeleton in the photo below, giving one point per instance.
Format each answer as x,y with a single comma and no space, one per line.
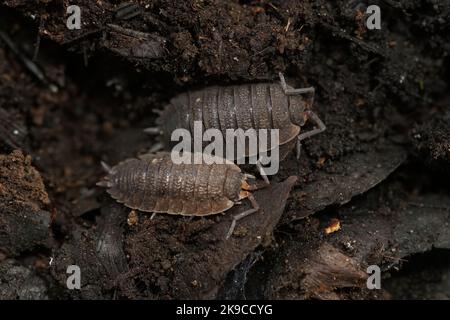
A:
154,183
248,106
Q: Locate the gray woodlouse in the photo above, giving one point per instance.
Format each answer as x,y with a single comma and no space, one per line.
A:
153,183
248,106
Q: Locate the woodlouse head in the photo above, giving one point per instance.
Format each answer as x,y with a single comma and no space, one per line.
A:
298,105
245,186
244,189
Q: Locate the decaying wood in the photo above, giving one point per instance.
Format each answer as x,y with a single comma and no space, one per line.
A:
24,222
380,229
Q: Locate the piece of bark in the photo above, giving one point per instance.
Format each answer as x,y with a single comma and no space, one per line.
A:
24,222
98,251
171,257
316,273
109,238
234,287
382,228
423,277
18,282
351,176
133,44
385,234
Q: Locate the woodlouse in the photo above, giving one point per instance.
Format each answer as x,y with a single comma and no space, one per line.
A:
248,106
154,183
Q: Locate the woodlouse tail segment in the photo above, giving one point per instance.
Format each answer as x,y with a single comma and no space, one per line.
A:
158,112
242,215
105,183
156,130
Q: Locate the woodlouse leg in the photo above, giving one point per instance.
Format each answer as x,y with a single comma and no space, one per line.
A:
298,149
156,147
262,172
153,130
321,127
153,215
246,175
291,91
243,215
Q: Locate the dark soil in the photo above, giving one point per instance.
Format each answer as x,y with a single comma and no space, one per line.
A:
72,98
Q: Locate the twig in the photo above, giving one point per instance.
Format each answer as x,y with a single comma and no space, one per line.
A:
29,64
37,44
127,11
430,206
355,40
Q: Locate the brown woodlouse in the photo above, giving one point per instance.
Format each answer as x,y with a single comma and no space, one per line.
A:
153,183
248,106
